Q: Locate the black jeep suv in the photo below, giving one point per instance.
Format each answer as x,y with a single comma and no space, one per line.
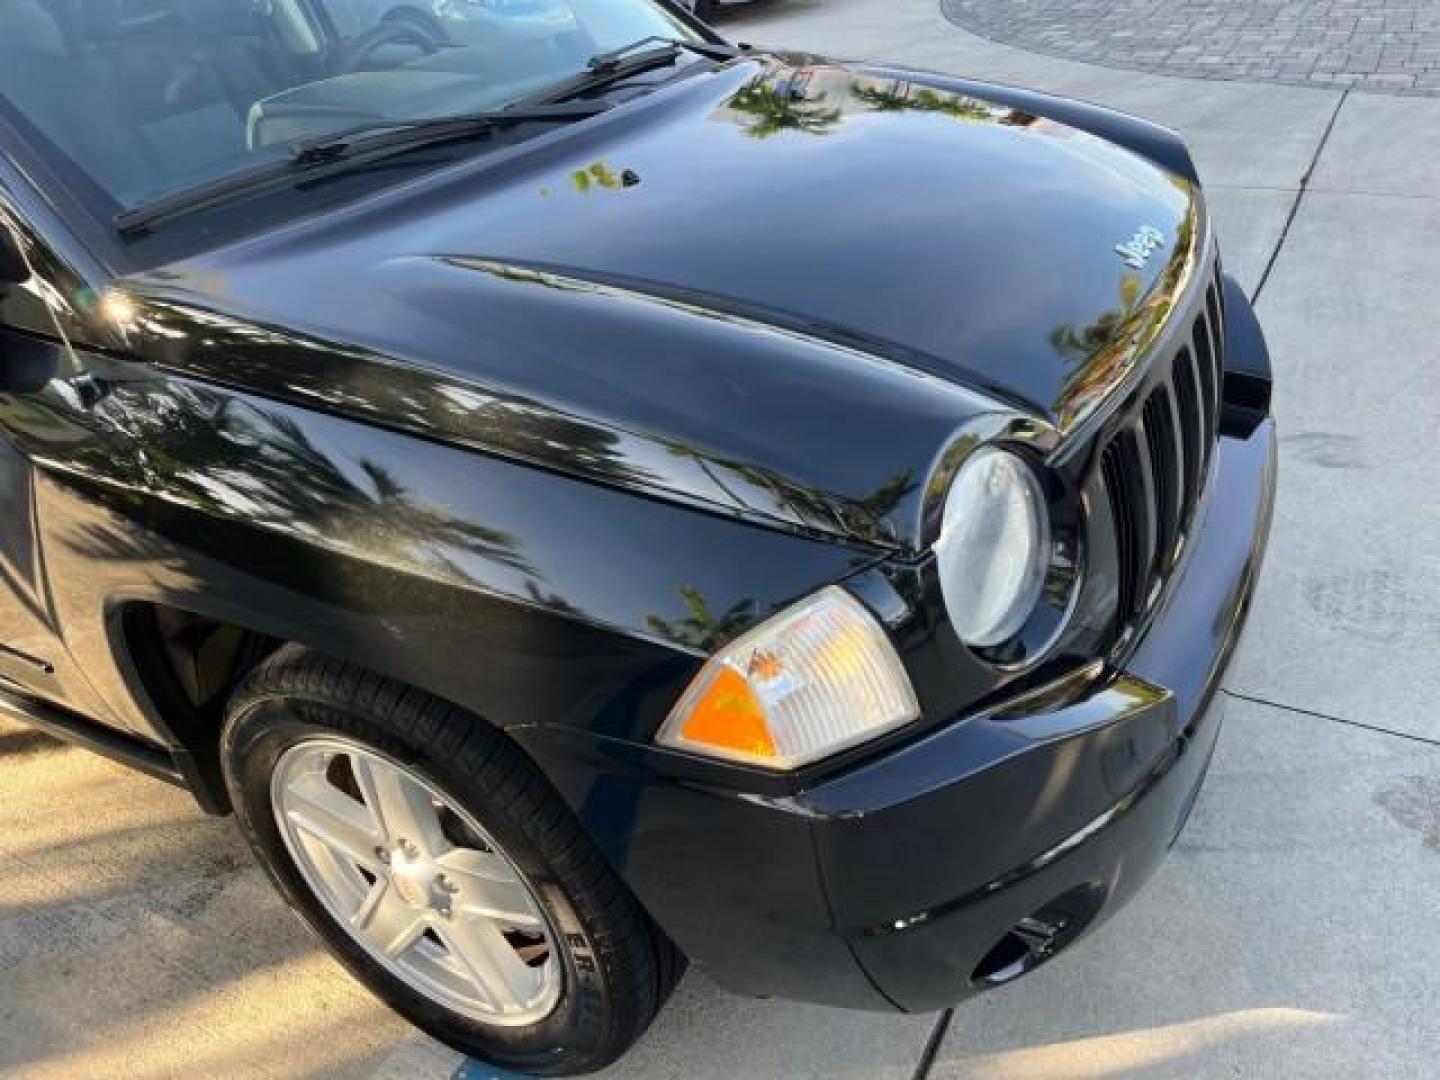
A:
588,497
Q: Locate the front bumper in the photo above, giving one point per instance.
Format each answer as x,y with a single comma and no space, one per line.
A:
971,856
966,858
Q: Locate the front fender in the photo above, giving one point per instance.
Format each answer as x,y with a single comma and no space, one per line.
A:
527,597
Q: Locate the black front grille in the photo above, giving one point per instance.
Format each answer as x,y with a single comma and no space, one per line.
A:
1155,465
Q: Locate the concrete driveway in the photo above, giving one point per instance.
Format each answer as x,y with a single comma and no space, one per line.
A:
1292,931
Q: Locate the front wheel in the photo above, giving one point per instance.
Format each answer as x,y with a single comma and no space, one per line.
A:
436,862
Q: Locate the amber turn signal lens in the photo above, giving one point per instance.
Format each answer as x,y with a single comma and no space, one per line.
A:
817,678
727,716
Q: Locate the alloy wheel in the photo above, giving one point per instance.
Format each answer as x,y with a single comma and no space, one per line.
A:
417,882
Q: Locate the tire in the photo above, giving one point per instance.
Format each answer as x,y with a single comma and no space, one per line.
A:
612,968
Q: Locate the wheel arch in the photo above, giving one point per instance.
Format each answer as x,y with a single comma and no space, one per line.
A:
180,665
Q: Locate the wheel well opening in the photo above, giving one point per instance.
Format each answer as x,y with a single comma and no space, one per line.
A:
187,665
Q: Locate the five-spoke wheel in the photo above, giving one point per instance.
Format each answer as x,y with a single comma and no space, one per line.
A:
441,867
421,886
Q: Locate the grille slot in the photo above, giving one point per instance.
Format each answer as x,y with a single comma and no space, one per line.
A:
1118,471
1186,382
1156,462
1165,456
1215,323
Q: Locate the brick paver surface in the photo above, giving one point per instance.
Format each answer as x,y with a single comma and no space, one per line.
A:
1382,46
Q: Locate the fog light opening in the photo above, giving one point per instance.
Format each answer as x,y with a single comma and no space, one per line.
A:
1036,938
1006,961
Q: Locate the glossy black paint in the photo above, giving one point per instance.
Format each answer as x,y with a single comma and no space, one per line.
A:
1149,140
13,269
1248,379
926,855
966,856
539,430
837,318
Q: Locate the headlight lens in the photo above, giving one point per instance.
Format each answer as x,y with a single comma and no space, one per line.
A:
994,547
817,678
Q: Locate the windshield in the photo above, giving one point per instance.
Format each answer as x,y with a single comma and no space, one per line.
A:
151,98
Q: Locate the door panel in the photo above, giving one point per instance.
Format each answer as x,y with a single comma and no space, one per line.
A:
32,655
35,364
29,643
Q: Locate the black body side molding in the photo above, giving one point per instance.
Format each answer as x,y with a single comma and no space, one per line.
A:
62,724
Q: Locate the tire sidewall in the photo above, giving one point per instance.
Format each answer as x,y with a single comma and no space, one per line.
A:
253,743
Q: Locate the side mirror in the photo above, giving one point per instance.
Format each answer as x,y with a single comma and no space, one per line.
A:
14,270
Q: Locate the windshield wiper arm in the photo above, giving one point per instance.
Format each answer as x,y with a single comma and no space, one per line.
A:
370,137
605,68
607,60
367,140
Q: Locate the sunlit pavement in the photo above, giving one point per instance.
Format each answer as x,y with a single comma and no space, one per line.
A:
1291,934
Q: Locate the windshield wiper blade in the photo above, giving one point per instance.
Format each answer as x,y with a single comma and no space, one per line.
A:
607,60
369,137
366,140
606,68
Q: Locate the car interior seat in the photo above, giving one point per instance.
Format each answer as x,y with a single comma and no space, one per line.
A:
145,95
39,84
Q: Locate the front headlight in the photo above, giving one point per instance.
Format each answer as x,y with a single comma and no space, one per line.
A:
994,547
819,677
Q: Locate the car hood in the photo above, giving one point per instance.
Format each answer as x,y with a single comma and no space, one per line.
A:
783,288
